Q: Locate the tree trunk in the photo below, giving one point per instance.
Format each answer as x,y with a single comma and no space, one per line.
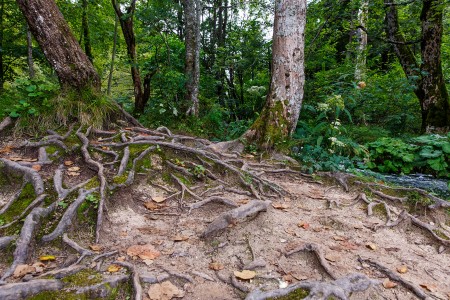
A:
435,104
86,36
113,57
361,52
51,31
2,71
192,12
280,114
30,62
126,23
427,76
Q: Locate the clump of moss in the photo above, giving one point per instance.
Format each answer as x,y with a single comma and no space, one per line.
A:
17,207
93,183
85,277
120,179
295,295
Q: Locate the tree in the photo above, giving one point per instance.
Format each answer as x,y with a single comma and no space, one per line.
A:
73,67
141,90
280,114
192,13
360,68
86,35
426,75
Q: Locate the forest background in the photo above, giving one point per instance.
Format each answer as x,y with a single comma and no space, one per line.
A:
360,110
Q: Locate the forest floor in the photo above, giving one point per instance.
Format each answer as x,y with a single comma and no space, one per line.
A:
195,224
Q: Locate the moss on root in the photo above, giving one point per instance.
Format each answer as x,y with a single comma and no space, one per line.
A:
295,295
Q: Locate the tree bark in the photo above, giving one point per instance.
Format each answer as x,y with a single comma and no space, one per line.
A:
280,114
113,57
2,71
86,35
30,61
60,47
427,76
126,23
192,13
361,51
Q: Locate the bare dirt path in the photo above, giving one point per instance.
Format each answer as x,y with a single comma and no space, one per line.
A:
136,213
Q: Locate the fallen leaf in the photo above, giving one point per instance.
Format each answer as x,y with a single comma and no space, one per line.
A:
47,257
349,245
281,205
16,158
73,173
6,149
105,148
73,169
299,277
216,266
143,251
151,205
389,284
22,270
429,287
331,257
68,163
372,246
113,268
180,238
158,199
245,274
243,201
39,266
402,269
303,224
37,167
288,278
339,238
96,247
247,156
164,291
121,258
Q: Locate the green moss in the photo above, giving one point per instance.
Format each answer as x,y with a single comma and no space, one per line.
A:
295,295
51,149
17,207
93,183
441,234
380,210
120,179
85,277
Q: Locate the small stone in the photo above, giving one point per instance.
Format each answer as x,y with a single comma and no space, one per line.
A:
358,268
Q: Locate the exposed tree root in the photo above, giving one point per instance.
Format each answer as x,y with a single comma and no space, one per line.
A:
103,289
22,290
12,199
5,123
392,275
231,217
38,201
314,248
29,174
340,288
6,240
212,199
135,279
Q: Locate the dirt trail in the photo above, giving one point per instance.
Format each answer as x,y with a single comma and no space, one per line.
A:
147,214
342,233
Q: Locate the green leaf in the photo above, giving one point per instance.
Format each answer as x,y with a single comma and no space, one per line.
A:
429,152
437,164
31,88
14,114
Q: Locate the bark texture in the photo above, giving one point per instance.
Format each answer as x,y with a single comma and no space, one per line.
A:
60,47
113,57
427,75
280,114
141,90
2,71
361,51
30,61
86,35
192,13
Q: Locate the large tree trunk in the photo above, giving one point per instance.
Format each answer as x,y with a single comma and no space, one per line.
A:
280,114
361,51
192,12
427,76
60,47
113,56
435,104
2,71
126,23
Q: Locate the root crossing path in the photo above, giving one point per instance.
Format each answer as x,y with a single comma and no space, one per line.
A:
134,213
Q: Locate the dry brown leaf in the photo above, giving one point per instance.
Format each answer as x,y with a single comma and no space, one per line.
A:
164,291
143,251
113,268
39,266
180,238
47,257
73,169
402,269
121,258
96,247
243,201
37,167
339,238
349,245
151,205
216,266
429,287
73,173
22,270
16,158
158,199
372,246
68,163
247,156
245,274
105,148
303,224
389,284
281,205
6,149
331,257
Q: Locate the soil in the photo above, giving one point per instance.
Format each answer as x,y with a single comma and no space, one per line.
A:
311,213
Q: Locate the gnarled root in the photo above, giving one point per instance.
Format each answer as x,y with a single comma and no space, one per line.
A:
23,290
340,288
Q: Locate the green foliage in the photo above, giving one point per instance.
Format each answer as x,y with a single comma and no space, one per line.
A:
93,200
426,154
